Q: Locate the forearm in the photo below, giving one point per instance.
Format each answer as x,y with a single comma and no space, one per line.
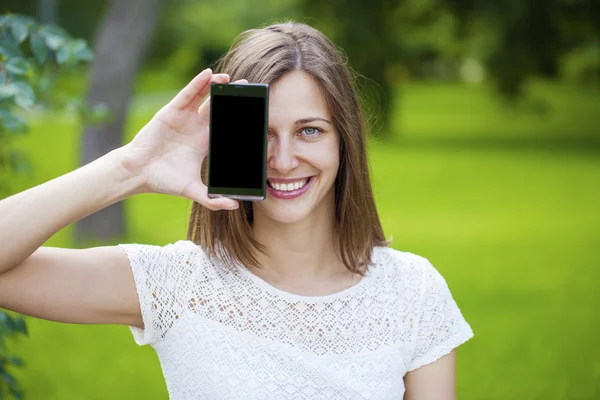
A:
28,219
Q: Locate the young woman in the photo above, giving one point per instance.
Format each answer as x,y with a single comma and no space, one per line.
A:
288,298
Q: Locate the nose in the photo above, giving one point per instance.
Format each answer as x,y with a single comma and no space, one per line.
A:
281,155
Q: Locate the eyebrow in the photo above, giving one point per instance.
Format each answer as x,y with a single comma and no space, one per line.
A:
311,119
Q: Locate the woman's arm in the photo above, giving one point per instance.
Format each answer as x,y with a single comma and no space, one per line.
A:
435,381
96,285
30,218
164,157
67,285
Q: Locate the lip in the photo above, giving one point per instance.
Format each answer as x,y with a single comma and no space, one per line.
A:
287,180
291,194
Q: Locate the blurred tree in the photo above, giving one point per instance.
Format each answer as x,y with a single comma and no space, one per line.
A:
193,34
389,40
386,43
30,57
366,31
120,45
523,38
47,11
79,18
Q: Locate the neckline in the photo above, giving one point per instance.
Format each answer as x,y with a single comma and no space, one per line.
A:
294,296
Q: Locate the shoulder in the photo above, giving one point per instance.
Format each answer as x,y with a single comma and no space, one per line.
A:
186,246
403,263
181,252
405,269
180,246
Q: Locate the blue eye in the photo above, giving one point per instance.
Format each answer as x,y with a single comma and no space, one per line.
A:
315,131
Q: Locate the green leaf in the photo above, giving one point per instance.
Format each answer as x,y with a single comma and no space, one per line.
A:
86,55
19,164
24,19
19,27
17,127
25,97
54,36
77,45
81,51
7,91
63,54
20,322
10,325
8,379
17,394
8,48
39,48
16,361
74,51
18,66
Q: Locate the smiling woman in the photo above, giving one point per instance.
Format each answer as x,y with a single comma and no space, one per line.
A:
311,87
293,157
316,242
295,297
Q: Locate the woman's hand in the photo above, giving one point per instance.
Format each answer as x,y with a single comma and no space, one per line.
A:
168,151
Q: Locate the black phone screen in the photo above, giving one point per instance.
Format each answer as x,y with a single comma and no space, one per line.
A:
237,141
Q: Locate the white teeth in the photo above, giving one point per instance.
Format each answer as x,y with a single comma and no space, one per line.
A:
289,186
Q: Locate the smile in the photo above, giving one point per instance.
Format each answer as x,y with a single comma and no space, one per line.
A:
289,186
289,190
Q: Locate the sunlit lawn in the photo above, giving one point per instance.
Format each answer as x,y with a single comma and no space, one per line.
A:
514,229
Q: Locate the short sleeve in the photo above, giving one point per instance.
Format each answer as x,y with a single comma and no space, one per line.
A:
441,326
162,275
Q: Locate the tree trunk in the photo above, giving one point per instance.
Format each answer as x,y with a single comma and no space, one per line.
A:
119,46
48,11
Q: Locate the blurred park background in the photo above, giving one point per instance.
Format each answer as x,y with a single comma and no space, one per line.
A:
485,160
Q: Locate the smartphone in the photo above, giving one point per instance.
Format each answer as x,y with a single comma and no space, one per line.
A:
237,149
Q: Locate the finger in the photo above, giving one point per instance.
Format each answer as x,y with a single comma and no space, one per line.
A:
198,192
206,104
200,97
222,204
196,86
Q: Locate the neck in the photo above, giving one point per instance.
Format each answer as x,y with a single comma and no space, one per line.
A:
303,251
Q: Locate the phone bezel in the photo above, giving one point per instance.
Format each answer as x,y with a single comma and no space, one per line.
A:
242,90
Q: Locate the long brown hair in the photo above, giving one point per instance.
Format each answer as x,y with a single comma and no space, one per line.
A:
263,56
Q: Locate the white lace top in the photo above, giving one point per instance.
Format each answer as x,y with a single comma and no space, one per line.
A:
222,332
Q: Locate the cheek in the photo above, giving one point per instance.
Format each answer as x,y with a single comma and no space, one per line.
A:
332,155
333,161
322,156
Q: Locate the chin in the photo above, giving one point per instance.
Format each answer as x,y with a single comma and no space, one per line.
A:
286,215
296,210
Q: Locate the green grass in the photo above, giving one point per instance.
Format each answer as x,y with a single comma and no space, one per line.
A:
548,113
515,230
515,233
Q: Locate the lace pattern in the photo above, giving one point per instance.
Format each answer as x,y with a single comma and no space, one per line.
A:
221,332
